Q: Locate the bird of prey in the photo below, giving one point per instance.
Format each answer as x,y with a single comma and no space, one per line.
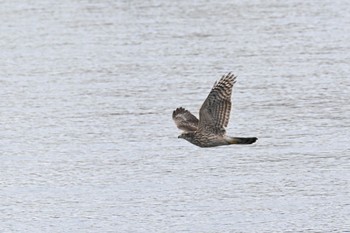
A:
209,130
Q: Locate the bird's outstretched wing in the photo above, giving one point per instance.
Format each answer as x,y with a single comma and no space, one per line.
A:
215,111
184,120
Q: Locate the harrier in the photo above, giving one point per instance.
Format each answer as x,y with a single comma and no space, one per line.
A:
209,130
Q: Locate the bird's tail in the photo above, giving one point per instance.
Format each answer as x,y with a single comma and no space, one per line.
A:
236,140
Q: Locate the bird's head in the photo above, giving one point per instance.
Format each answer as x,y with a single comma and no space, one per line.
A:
187,136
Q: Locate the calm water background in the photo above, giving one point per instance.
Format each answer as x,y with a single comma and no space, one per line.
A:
88,144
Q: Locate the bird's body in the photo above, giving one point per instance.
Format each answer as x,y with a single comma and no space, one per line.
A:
209,130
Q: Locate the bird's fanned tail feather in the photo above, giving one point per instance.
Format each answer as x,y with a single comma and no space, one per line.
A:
238,140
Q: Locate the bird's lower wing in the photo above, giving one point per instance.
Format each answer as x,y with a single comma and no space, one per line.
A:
185,120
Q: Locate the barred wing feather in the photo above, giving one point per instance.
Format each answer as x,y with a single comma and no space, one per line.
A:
185,120
214,114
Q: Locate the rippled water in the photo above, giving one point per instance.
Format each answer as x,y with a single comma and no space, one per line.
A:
87,141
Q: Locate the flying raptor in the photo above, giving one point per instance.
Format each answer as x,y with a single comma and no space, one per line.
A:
209,130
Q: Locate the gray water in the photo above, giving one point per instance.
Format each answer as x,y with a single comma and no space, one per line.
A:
88,88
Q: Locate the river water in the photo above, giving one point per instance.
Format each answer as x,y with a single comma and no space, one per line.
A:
87,143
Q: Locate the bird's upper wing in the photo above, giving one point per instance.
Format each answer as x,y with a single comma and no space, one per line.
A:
215,111
184,120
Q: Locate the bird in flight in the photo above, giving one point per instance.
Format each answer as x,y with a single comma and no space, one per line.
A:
209,130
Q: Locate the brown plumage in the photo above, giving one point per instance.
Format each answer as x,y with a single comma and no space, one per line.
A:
184,120
214,115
